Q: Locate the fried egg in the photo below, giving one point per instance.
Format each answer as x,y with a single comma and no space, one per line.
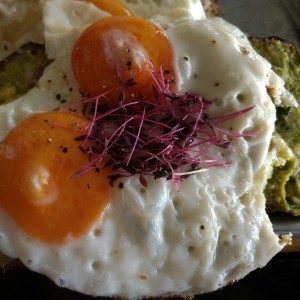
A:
127,239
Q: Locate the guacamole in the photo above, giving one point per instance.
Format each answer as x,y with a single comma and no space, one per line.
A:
285,60
283,188
20,71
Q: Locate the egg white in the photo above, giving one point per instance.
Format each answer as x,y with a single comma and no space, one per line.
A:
20,23
162,240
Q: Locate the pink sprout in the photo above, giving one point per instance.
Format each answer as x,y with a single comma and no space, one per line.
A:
169,136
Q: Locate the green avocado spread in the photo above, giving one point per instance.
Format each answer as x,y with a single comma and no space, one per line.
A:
20,71
283,188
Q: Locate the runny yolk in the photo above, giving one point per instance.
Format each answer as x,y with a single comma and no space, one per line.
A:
111,6
37,161
115,50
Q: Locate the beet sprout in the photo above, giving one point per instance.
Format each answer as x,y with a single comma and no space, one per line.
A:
168,136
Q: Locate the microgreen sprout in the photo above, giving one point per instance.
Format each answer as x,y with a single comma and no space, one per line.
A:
169,136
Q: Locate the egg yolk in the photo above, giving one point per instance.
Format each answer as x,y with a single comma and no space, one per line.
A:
37,161
115,50
111,6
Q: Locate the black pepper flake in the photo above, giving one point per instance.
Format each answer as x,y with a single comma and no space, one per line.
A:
5,47
49,81
63,101
64,149
88,186
70,89
205,116
121,185
217,83
186,58
195,75
213,42
82,149
58,96
131,150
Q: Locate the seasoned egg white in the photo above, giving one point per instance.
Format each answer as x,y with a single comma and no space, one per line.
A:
163,240
63,22
20,23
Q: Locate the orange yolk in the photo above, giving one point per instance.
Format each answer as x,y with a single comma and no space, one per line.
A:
111,6
37,161
114,50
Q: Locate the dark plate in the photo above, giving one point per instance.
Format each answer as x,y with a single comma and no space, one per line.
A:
264,18
280,278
